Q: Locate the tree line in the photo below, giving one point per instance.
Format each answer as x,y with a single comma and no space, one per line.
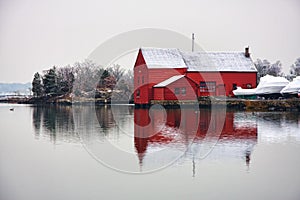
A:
83,79
87,79
264,67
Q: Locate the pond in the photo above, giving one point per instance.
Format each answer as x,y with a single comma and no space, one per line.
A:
119,152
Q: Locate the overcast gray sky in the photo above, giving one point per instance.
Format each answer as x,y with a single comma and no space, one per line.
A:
37,34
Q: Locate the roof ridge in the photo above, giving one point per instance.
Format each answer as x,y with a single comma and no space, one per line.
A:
159,48
198,61
181,51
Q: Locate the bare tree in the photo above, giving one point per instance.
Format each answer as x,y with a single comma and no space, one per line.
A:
65,79
262,68
265,67
295,68
275,69
116,71
86,77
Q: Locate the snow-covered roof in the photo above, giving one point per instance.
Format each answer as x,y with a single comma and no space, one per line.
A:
293,87
169,81
218,61
197,61
163,58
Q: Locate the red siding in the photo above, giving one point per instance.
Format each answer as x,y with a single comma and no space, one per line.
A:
158,75
169,91
223,78
145,79
140,81
216,77
158,93
241,79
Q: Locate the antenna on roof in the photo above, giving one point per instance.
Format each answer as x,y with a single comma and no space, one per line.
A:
193,40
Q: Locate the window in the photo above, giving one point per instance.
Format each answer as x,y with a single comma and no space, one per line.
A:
203,87
142,79
209,86
138,93
183,91
177,91
234,86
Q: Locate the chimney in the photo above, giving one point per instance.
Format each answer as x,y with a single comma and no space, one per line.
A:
247,54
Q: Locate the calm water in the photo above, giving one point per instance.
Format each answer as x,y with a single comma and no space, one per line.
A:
60,152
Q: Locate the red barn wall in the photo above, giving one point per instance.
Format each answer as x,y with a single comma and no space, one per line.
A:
158,75
241,79
140,80
158,93
228,78
145,79
190,88
198,77
140,84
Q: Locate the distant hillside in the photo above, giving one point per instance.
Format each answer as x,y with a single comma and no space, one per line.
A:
14,88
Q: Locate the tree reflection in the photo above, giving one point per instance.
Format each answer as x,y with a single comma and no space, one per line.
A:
36,119
54,122
105,117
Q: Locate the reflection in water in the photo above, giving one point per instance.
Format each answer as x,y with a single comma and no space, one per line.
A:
54,122
105,117
237,137
274,121
153,130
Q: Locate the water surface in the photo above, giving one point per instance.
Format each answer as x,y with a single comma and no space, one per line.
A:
55,152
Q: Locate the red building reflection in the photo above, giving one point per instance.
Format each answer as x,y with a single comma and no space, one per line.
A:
183,126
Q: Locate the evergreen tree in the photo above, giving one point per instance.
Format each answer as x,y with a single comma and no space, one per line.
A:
104,79
50,82
37,87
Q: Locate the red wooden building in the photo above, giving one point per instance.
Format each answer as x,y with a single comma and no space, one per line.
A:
171,74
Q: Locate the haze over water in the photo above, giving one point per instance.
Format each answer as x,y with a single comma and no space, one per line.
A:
48,152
